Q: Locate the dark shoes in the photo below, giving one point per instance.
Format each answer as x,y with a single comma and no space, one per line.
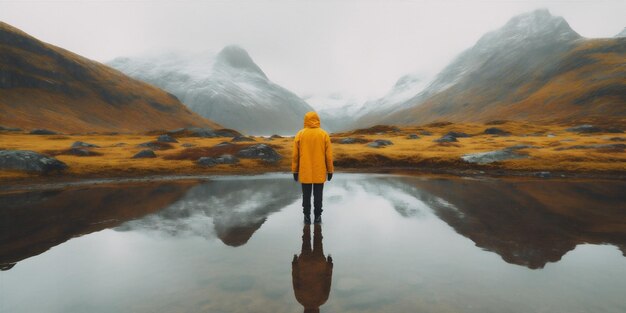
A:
307,219
318,219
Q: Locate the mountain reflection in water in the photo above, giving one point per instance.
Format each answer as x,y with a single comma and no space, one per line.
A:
526,222
530,223
32,222
235,208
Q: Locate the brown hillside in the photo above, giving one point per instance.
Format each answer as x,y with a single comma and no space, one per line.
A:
587,82
44,86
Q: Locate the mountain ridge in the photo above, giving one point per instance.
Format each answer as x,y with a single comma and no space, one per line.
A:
45,86
511,70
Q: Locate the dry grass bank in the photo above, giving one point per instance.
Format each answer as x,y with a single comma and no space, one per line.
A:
551,151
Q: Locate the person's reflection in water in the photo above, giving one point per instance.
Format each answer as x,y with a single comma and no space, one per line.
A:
312,272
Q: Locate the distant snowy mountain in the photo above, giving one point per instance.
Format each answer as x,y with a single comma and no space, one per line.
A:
228,88
621,34
402,95
342,113
337,111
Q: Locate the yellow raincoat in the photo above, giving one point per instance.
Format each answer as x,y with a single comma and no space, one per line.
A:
312,152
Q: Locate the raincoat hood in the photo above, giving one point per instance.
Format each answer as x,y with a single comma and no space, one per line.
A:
312,155
311,120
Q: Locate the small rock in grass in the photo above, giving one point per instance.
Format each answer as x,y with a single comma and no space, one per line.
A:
224,144
496,131
457,134
379,143
206,161
155,145
80,144
350,140
166,138
260,151
585,129
223,159
144,154
80,152
227,159
242,139
495,156
446,138
43,132
10,129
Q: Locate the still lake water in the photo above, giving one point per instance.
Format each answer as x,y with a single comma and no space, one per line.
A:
397,244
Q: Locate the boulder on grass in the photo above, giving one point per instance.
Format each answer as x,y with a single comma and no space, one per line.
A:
585,129
145,154
10,129
224,144
379,143
457,134
29,161
350,140
206,161
80,144
497,131
260,151
43,132
166,138
494,156
446,138
242,139
196,132
412,136
80,152
155,145
223,159
227,159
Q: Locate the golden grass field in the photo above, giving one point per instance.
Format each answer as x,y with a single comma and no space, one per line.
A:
423,154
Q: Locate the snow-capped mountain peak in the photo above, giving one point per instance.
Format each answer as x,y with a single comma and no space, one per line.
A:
238,58
228,87
538,25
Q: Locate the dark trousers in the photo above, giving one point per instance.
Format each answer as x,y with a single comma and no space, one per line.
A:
318,190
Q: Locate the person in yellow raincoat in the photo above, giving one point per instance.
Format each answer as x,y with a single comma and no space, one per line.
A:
312,164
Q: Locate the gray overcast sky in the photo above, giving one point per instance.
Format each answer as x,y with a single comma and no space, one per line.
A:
357,48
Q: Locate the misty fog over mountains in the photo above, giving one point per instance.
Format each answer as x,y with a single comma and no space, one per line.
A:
535,67
227,87
524,54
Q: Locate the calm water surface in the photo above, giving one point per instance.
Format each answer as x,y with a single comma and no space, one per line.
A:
387,244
